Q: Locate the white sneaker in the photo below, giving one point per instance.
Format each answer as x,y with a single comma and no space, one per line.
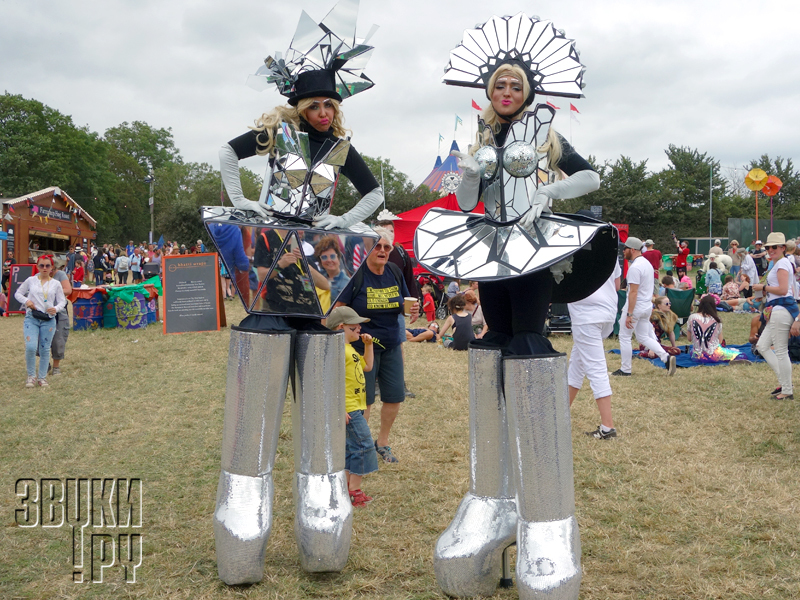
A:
31,382
43,383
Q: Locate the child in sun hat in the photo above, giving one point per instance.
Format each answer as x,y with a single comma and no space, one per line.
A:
360,455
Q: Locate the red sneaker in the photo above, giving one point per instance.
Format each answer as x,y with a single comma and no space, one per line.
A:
359,498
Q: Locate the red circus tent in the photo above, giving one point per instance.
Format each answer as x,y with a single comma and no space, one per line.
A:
404,229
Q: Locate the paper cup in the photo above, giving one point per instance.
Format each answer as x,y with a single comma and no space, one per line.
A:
408,302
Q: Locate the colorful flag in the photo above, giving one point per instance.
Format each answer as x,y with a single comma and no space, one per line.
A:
475,105
550,104
441,137
458,121
358,256
572,108
11,208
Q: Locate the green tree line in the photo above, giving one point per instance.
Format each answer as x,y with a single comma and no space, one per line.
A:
676,199
105,174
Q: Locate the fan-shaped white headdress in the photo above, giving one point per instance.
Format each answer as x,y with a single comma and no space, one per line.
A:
550,59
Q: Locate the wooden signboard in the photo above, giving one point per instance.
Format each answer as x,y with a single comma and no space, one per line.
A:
191,298
18,274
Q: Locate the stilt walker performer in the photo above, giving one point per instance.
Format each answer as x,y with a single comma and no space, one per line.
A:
524,257
282,336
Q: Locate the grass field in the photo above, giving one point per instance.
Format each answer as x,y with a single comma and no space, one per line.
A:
697,498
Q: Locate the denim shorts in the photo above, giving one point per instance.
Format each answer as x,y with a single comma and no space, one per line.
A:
387,369
360,455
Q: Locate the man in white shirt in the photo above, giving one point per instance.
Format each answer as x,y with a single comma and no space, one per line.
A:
592,321
636,312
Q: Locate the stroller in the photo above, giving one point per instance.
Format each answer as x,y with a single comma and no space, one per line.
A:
558,319
439,297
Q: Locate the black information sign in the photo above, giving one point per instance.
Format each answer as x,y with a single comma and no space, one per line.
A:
19,273
191,300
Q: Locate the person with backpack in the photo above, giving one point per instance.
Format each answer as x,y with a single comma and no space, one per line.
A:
121,266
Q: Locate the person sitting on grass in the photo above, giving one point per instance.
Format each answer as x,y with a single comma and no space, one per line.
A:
705,333
713,283
663,320
667,283
360,455
423,335
461,322
730,291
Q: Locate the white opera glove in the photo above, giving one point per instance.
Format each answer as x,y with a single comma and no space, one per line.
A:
229,170
576,185
469,189
368,204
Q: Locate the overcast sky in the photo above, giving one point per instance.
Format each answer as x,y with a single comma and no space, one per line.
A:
722,77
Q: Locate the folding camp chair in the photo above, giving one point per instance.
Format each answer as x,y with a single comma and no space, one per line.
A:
622,296
681,301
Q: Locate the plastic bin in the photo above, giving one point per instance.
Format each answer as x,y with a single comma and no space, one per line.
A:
88,312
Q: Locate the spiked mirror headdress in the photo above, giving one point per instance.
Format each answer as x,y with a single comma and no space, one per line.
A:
325,59
550,59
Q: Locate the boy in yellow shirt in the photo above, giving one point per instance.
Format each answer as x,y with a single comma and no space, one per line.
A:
360,457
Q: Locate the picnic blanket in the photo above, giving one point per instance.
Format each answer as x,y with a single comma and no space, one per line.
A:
685,360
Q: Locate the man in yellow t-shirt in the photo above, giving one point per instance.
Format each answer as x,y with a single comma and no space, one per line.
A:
360,457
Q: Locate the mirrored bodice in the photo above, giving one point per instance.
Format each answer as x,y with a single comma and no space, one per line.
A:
510,173
298,185
282,267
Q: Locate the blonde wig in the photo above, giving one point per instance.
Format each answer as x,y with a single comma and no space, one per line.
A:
267,124
551,146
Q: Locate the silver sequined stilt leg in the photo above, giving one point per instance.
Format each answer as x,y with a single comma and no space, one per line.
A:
258,368
548,542
468,555
324,514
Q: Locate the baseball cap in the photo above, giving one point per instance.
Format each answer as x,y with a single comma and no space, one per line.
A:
648,242
634,243
717,241
343,315
759,242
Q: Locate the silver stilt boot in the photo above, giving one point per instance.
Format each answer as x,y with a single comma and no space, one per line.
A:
323,522
468,555
548,542
258,368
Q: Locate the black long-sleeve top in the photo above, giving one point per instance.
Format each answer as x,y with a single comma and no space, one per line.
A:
354,168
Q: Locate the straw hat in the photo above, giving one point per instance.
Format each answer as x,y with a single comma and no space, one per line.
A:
776,238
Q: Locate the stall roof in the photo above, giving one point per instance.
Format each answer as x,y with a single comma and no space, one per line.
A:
49,193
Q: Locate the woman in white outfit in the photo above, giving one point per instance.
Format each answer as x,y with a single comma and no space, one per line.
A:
781,313
42,297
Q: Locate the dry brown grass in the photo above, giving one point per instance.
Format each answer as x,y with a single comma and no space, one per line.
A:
698,498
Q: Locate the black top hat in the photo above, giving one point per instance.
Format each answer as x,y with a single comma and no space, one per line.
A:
313,84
